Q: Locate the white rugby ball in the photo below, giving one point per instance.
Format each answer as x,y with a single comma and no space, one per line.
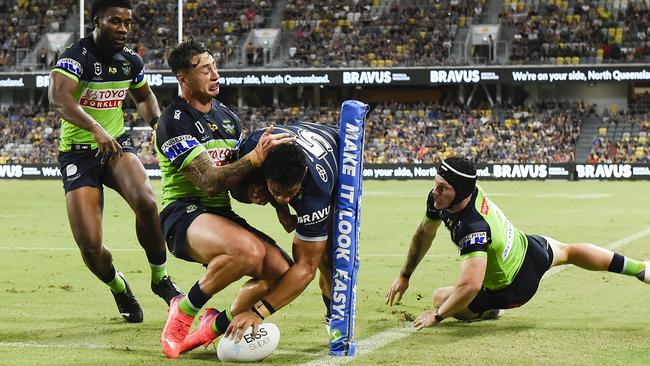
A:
249,348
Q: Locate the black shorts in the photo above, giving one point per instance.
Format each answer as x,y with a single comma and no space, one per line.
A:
81,168
538,259
177,217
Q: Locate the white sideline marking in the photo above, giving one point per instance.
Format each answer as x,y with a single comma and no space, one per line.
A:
382,339
116,347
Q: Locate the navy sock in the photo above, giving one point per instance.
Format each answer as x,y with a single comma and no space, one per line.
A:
157,259
197,297
328,304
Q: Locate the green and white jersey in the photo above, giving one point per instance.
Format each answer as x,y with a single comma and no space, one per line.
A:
182,134
104,82
481,229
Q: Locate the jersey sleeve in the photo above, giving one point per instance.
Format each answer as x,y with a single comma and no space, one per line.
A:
474,241
313,211
176,140
139,79
71,63
432,213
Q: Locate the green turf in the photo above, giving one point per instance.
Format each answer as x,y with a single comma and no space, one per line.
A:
53,311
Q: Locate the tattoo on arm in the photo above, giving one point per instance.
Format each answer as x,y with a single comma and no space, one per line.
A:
214,179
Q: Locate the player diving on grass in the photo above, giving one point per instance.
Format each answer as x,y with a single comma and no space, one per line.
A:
303,175
195,142
501,266
88,85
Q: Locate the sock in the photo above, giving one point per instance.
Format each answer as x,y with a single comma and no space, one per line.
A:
158,272
158,262
222,321
117,285
626,266
194,300
328,304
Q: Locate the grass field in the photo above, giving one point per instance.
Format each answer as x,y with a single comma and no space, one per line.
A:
53,311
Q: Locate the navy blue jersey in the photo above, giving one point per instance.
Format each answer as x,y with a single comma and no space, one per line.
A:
314,203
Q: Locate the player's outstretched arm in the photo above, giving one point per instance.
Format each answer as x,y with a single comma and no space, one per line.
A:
420,244
469,283
147,104
61,95
214,179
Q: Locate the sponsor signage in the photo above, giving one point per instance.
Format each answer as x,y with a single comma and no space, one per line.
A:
417,171
415,76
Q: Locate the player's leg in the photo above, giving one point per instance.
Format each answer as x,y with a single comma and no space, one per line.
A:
128,177
325,278
84,206
595,258
229,252
275,263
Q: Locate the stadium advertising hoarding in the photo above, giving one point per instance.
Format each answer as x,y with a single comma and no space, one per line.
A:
417,76
417,171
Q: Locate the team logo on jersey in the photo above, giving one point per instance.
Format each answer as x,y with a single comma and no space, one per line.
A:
473,239
191,208
126,69
484,206
178,145
230,128
98,68
112,70
177,114
321,173
220,156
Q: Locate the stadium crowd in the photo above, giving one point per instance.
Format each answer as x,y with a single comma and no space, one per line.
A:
622,139
362,33
22,24
219,24
572,32
396,133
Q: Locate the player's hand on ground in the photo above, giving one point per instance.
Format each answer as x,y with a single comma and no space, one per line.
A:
267,143
426,319
107,146
241,322
396,290
286,218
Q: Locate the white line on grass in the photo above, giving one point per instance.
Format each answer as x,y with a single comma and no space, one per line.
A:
382,339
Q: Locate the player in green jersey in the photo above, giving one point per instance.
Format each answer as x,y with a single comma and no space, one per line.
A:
501,266
196,143
87,88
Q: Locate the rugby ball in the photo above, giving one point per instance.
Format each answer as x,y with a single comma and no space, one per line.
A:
250,348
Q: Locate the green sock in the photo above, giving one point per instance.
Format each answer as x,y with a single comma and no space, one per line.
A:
117,285
187,307
158,272
632,267
214,323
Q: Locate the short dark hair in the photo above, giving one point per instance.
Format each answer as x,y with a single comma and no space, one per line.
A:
181,56
100,6
285,165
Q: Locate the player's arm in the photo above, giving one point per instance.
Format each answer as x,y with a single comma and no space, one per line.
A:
293,282
61,93
213,179
420,245
472,273
147,104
